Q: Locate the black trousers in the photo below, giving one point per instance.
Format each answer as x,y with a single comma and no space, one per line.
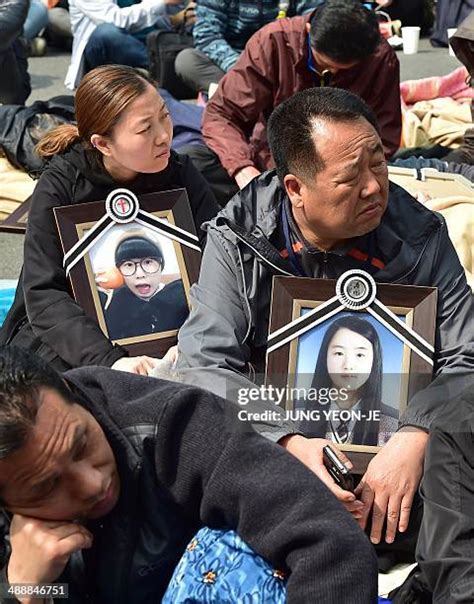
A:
206,161
15,81
197,70
445,549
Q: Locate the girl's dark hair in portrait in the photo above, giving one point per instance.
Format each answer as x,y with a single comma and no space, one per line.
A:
370,394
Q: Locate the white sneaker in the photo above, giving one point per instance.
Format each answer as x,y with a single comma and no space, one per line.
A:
37,47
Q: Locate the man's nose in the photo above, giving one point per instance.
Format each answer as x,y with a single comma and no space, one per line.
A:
371,185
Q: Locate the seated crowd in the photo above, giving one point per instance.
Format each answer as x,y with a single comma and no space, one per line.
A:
130,488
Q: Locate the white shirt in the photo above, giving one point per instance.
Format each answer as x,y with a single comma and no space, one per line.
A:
86,15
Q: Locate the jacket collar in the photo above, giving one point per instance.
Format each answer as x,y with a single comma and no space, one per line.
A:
86,164
303,41
252,216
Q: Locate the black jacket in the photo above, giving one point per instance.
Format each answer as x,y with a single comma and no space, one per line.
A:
44,316
185,461
129,316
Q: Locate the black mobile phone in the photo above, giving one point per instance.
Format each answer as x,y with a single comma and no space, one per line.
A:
337,469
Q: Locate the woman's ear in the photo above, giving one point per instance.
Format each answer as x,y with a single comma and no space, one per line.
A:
100,143
293,187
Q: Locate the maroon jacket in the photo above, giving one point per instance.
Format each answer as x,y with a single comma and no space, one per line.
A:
272,68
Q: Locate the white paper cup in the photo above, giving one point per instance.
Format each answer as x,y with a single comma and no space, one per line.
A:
451,32
411,38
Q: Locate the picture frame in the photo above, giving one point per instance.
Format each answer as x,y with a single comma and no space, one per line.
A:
291,363
136,311
16,221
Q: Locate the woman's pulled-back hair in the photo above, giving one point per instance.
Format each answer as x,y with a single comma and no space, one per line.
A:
101,98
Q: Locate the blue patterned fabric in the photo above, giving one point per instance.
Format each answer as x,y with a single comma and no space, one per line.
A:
223,28
219,568
6,300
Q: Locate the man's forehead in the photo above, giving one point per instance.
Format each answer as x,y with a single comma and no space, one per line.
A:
34,462
56,422
345,140
343,127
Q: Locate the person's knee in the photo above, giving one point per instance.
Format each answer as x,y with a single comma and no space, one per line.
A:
185,62
100,46
104,34
36,20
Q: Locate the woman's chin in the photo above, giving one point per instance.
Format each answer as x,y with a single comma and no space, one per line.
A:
161,162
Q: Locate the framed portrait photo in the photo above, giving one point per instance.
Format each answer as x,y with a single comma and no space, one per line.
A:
347,374
133,276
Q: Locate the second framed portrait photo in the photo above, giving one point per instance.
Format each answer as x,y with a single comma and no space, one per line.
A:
347,374
133,278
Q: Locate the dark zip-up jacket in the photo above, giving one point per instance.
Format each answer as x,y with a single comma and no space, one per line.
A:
227,329
44,317
185,461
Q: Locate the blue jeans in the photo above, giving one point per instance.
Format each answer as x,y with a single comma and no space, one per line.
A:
112,45
36,19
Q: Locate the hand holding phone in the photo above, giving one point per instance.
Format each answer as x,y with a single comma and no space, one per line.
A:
341,475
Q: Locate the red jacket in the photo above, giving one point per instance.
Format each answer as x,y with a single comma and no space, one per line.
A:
272,68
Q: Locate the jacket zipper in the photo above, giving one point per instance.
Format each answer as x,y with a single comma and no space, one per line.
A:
325,265
257,253
16,329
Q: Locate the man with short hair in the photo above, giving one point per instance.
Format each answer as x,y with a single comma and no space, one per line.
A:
337,45
108,475
328,208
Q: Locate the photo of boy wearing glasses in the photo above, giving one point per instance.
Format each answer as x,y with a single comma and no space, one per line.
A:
145,304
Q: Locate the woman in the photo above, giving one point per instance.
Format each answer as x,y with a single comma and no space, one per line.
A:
350,361
144,305
122,139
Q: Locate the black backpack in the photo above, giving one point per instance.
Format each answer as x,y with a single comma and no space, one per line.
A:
163,48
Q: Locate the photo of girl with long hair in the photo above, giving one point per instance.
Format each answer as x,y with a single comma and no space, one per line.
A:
350,360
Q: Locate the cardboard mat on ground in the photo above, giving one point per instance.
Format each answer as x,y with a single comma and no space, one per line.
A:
451,195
